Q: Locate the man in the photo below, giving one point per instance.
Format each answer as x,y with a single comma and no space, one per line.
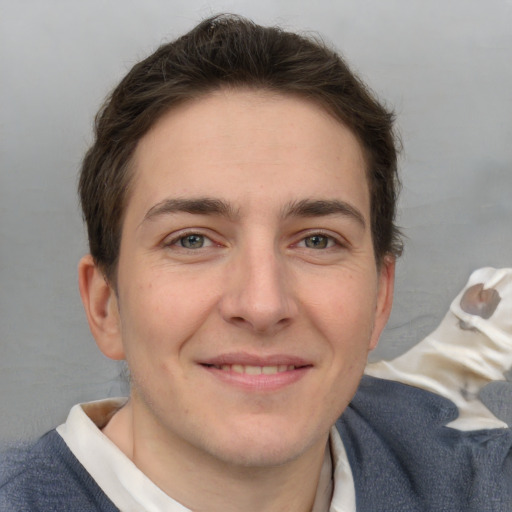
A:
240,201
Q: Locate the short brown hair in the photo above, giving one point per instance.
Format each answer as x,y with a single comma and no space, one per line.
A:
230,51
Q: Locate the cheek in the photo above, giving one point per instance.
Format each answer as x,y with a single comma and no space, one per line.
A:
160,313
345,309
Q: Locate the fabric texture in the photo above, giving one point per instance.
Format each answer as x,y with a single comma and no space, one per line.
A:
48,478
405,459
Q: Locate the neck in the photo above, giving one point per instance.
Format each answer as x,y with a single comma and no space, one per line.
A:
204,484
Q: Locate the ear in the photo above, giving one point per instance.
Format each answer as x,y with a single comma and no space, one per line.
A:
101,307
386,285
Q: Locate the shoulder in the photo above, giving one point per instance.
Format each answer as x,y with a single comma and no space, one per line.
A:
404,456
47,477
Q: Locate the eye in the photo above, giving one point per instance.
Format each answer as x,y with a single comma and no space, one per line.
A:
319,241
192,241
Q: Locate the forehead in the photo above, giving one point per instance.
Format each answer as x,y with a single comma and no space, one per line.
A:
250,146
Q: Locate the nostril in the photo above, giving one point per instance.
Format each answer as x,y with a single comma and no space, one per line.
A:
239,321
259,326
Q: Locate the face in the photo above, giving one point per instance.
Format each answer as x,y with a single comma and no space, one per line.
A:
248,294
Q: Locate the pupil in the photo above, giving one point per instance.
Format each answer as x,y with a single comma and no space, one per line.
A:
316,242
192,241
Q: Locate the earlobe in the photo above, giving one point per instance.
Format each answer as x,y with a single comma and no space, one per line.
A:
384,298
101,307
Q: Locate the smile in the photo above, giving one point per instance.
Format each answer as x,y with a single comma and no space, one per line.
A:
257,374
255,370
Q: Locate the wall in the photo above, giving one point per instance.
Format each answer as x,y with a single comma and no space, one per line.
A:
444,65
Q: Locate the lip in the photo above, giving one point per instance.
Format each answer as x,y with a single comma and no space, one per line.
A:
247,359
297,368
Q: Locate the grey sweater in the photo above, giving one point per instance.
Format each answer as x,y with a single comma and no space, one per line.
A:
403,459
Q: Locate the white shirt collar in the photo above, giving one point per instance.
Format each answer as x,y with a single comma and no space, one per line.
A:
132,491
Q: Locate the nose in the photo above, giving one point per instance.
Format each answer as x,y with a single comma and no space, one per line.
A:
258,293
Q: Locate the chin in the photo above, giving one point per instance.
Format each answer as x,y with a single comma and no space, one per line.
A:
264,446
258,456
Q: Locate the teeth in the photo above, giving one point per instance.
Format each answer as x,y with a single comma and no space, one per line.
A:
237,368
256,370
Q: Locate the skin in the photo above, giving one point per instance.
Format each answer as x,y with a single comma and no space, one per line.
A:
275,269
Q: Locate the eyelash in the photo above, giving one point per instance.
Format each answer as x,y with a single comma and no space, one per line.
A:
182,236
332,242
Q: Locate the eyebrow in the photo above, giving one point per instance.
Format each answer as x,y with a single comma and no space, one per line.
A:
197,206
211,206
322,208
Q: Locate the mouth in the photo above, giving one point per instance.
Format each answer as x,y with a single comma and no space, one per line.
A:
252,373
254,370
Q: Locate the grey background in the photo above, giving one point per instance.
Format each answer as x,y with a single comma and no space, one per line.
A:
445,65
